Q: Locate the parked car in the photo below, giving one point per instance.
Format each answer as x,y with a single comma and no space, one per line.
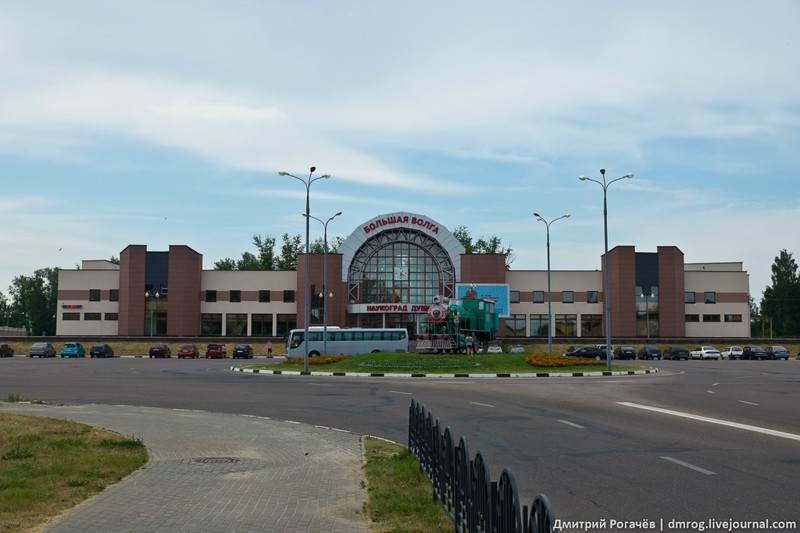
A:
590,352
73,349
6,350
624,352
650,352
216,351
245,351
676,352
705,352
160,349
754,352
732,352
101,350
42,349
188,350
777,352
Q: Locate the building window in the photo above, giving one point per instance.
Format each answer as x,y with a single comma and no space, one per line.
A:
288,296
566,325
539,325
211,323
692,318
567,297
515,325
285,323
592,297
733,318
211,296
591,325
94,295
514,297
688,297
538,297
112,316
113,295
235,325
71,316
261,325
710,297
236,296
263,296
711,318
92,316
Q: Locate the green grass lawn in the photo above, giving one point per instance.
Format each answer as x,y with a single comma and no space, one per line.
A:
413,363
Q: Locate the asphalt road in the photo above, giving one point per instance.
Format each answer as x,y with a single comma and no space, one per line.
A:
701,441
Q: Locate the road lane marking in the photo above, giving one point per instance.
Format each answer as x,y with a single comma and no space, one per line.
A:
573,424
482,404
710,392
737,425
400,392
748,403
689,465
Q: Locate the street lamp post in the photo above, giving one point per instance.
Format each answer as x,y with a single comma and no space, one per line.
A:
324,292
604,184
549,298
148,298
647,296
307,314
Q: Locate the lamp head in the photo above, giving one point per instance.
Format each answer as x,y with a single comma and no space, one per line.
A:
628,176
567,215
325,176
313,169
603,171
337,214
282,173
538,216
582,178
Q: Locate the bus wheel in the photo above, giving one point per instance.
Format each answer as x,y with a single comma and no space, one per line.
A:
313,354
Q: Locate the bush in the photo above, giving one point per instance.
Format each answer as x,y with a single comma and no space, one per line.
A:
552,360
317,360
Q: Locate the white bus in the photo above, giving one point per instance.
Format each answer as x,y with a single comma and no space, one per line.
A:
347,341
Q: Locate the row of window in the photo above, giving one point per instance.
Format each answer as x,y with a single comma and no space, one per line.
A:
566,325
90,316
211,295
592,297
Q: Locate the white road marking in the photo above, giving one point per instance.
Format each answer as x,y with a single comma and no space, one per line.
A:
689,465
710,392
748,403
737,425
482,404
399,392
573,424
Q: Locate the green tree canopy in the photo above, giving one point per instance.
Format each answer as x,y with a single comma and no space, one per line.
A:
481,245
781,301
34,301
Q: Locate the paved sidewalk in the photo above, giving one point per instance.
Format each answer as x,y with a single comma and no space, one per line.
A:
211,472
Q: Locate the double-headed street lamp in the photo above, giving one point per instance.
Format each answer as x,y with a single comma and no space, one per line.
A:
148,298
607,298
324,280
549,294
307,317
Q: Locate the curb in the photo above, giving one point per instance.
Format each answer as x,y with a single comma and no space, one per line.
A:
459,375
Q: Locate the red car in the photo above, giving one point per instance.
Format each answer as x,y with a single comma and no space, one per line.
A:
216,350
6,350
188,350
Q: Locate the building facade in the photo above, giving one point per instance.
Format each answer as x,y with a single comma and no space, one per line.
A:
387,273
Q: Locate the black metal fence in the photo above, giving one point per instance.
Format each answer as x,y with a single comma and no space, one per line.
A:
463,486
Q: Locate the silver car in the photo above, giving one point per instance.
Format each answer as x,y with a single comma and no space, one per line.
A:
42,349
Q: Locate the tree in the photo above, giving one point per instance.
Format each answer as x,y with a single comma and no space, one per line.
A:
482,246
34,301
264,260
781,301
289,252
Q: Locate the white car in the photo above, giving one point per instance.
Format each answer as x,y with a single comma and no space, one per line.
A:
732,352
705,352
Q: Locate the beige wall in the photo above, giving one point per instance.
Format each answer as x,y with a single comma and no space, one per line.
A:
73,289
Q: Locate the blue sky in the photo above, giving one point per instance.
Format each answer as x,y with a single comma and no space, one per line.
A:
165,123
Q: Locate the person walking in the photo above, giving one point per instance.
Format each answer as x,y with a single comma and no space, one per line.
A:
468,340
269,348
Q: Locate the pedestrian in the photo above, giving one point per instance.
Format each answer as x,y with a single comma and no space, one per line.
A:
469,342
269,348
